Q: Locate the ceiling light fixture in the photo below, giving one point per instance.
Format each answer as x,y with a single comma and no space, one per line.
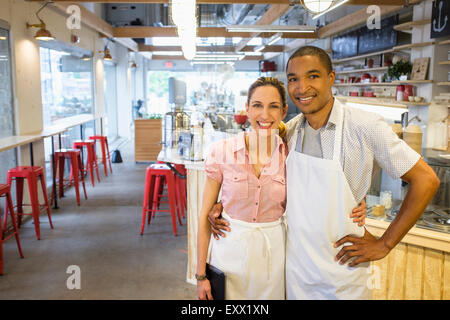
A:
42,34
86,57
317,6
329,9
270,28
2,38
107,54
212,62
274,38
260,48
183,14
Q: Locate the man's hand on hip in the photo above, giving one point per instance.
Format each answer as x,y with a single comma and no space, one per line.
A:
366,248
217,222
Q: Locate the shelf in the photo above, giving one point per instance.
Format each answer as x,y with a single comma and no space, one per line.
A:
444,62
371,84
447,83
444,42
382,102
412,81
413,45
363,56
362,70
408,26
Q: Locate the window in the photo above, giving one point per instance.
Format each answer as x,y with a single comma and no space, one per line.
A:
67,84
8,158
224,88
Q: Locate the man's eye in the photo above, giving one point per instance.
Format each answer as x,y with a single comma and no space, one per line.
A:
291,79
314,76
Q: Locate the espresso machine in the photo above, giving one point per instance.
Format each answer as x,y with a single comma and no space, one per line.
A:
177,120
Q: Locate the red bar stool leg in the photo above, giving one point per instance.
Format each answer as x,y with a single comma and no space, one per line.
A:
81,172
32,184
105,164
10,209
172,202
156,199
76,176
94,157
44,192
148,196
108,155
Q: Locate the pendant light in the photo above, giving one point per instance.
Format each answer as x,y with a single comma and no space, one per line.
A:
317,6
42,34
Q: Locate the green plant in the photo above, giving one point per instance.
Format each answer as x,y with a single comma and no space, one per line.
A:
399,68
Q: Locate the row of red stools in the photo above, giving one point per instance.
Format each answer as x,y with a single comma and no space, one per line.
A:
157,177
34,173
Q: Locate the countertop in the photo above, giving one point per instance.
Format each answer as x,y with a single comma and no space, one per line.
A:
171,155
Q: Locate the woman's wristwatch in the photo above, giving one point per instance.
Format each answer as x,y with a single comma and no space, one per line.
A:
200,277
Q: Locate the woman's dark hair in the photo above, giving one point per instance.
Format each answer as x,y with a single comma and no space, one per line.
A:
268,81
313,51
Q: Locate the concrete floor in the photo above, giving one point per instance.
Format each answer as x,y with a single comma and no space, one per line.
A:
102,238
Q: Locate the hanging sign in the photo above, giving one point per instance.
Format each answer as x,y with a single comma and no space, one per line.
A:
440,19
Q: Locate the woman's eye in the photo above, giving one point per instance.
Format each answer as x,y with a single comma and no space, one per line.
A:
275,106
256,105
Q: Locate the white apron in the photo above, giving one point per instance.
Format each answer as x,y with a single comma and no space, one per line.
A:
319,203
252,256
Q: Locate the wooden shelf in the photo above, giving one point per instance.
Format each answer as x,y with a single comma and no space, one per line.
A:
444,42
382,102
362,70
413,45
447,83
408,26
371,84
363,56
444,62
412,82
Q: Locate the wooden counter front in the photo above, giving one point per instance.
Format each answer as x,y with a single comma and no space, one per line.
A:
147,136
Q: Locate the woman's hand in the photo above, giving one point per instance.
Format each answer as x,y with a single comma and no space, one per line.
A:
204,290
359,213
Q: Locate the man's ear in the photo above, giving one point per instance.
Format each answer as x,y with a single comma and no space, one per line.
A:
332,76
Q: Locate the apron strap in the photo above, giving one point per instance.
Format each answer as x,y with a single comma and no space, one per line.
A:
339,130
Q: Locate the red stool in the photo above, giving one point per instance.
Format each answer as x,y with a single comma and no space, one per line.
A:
91,161
180,191
32,174
152,173
76,170
6,192
105,151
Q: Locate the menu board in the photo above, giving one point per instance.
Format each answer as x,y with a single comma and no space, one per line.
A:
345,46
371,40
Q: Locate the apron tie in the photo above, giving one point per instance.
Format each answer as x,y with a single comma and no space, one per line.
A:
267,248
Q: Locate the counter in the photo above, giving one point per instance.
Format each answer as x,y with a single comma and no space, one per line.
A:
417,268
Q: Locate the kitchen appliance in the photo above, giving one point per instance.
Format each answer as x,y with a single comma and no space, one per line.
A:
173,123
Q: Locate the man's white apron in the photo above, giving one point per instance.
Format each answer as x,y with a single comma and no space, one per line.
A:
253,258
319,202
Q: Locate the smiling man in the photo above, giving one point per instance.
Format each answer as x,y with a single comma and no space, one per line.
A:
329,168
332,148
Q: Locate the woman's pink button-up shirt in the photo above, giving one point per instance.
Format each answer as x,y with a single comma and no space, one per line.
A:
244,196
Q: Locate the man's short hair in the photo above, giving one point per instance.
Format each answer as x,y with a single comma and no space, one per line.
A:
313,51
